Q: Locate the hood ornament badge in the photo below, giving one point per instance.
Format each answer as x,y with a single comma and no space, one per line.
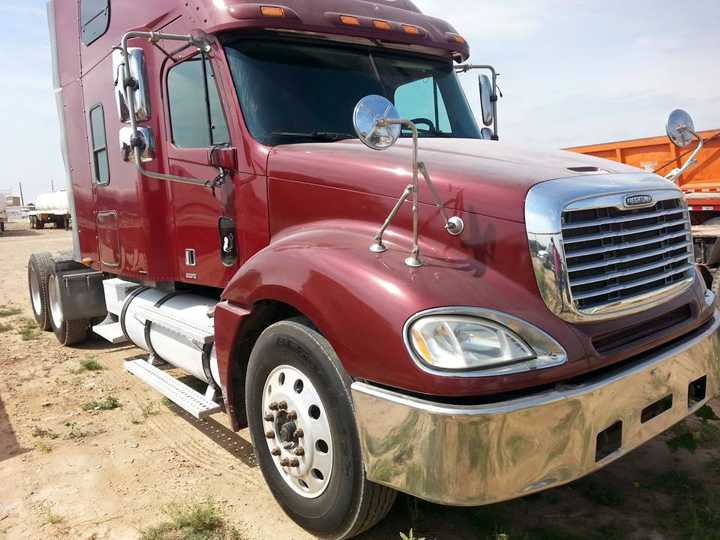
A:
378,124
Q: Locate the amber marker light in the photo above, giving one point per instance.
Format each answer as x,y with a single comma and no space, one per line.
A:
382,25
350,21
414,30
458,39
272,11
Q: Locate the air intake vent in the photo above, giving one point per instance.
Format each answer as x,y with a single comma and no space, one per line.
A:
613,255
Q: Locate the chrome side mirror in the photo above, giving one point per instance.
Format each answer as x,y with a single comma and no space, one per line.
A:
680,128
138,73
145,141
368,111
486,100
487,134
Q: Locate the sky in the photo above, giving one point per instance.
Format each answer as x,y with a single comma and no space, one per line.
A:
572,73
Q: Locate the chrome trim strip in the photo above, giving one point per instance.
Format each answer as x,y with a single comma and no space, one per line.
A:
632,284
638,217
629,272
544,208
549,352
657,227
473,455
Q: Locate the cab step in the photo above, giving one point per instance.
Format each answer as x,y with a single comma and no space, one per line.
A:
111,332
179,393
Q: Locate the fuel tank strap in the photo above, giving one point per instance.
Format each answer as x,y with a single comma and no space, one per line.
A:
126,305
148,322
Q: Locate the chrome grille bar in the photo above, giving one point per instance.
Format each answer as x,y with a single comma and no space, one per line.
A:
612,261
629,272
626,232
633,284
628,245
610,221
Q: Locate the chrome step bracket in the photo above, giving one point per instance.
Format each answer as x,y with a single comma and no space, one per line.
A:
111,332
179,393
197,336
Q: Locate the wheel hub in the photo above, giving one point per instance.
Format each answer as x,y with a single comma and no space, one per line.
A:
297,431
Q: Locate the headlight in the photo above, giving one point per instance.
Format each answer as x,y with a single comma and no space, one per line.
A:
466,343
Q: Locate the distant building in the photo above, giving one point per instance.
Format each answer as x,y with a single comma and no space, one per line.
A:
12,200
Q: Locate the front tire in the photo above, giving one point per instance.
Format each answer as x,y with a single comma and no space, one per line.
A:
67,332
303,427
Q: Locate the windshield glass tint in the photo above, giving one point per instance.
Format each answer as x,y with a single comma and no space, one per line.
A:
292,92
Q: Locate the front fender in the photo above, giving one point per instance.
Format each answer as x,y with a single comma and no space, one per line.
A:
360,300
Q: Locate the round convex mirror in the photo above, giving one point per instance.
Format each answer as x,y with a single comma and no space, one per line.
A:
368,111
486,91
680,128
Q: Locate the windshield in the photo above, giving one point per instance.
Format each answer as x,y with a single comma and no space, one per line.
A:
295,92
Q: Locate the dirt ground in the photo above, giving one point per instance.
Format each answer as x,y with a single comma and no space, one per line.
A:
66,472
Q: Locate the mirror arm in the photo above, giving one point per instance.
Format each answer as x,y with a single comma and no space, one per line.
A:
137,141
692,160
454,225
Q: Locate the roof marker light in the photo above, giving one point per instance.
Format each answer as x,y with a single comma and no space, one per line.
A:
350,21
382,25
408,29
272,11
457,39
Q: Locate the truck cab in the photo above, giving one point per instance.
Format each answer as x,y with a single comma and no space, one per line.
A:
295,204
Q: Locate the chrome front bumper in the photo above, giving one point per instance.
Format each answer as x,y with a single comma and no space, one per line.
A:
476,455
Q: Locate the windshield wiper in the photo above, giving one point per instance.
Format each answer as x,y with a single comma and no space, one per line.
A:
321,136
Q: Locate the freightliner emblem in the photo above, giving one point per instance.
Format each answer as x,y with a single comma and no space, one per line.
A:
638,200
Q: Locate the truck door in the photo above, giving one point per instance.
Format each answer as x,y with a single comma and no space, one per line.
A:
205,244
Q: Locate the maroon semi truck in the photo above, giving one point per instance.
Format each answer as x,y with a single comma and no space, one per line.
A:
293,203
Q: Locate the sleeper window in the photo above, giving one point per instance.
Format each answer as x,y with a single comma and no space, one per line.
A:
196,114
94,19
101,165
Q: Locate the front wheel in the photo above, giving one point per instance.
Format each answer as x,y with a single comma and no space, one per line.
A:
306,441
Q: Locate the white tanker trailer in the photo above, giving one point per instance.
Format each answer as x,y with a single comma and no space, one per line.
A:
51,208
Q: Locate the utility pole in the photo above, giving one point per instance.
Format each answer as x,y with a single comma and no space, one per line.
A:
22,199
52,186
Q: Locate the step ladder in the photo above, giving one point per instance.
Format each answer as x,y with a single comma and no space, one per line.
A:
110,331
176,391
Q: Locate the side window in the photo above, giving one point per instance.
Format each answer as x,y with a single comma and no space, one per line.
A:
101,165
423,99
196,116
94,19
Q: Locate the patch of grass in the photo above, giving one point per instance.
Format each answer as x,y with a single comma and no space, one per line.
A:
149,409
706,413
42,433
410,536
75,432
107,404
5,328
50,517
6,311
600,494
90,365
684,438
28,330
43,447
199,521
167,402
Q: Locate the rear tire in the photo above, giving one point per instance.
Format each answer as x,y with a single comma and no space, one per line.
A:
67,332
333,499
40,267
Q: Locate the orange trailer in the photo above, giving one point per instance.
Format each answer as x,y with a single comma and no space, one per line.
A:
701,183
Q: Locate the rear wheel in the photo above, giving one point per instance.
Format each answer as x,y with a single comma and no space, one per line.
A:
40,267
67,332
306,441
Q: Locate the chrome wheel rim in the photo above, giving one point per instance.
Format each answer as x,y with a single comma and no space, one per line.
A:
54,300
297,431
35,296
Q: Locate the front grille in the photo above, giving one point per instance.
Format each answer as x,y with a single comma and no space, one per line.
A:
613,255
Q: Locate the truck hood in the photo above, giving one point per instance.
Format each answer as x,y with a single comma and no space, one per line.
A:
483,177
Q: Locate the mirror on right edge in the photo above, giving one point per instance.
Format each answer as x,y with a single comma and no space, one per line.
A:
680,128
486,93
368,111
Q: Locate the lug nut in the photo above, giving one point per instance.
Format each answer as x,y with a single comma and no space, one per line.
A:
299,434
294,462
273,406
299,451
292,415
269,417
288,446
270,434
282,405
284,462
276,452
